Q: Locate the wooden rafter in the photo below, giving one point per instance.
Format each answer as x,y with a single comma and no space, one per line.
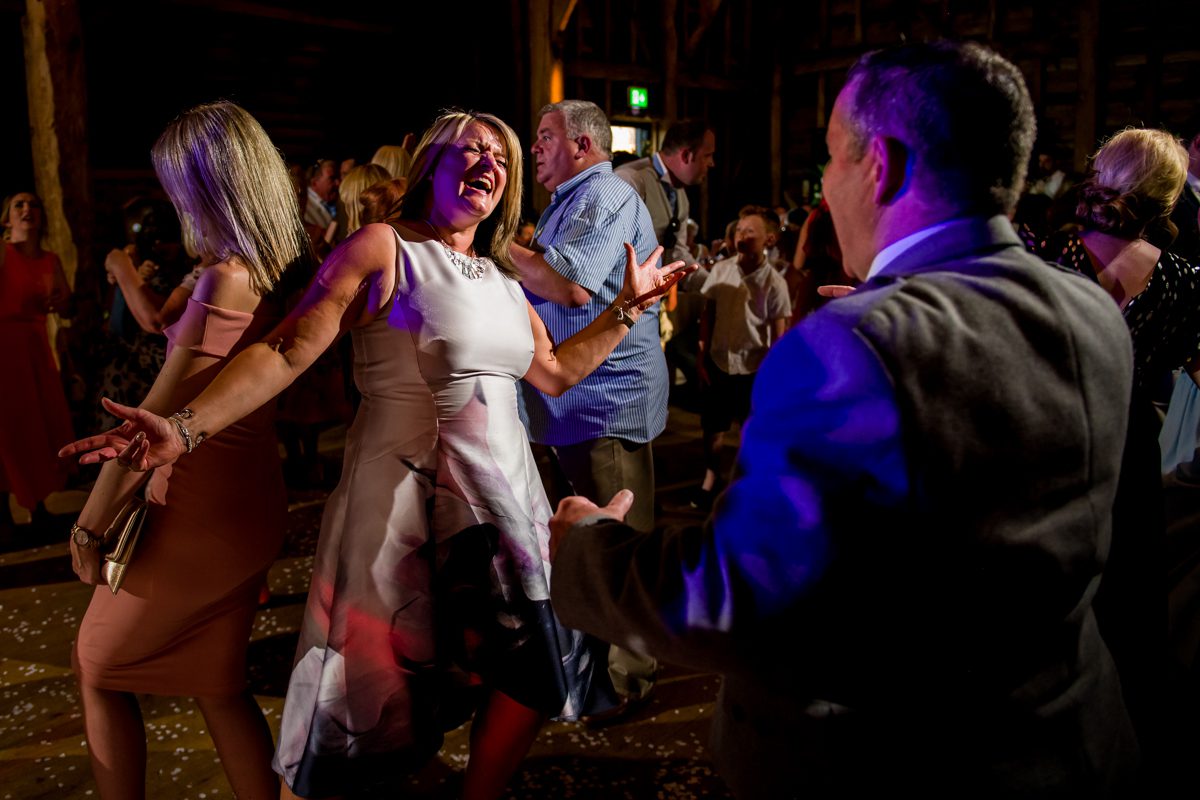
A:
708,12
560,14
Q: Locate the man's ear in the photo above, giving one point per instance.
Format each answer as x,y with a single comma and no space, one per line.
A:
584,143
891,157
687,155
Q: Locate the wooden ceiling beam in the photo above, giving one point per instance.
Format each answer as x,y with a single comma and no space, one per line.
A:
637,74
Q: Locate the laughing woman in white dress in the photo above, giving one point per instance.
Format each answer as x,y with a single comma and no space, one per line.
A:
430,593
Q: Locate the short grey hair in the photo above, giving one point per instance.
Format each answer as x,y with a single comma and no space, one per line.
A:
584,118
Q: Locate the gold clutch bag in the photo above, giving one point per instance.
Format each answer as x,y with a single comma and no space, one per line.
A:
120,540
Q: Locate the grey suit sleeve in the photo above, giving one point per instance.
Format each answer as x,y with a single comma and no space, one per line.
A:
824,426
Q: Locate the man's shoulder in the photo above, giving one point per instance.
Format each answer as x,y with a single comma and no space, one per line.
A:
639,174
636,169
605,190
725,270
994,304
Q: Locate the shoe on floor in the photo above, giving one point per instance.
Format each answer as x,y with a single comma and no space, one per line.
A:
620,711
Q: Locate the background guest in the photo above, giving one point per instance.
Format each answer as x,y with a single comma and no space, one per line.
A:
1137,177
817,262
153,277
33,409
1187,241
395,158
323,182
357,181
747,310
525,233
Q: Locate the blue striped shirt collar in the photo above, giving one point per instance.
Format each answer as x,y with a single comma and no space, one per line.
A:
566,186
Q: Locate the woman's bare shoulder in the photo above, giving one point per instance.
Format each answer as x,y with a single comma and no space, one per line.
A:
226,284
407,229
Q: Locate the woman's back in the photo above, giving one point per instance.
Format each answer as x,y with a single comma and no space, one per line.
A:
1161,306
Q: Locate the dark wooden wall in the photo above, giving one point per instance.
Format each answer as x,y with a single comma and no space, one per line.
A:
339,79
1092,66
17,174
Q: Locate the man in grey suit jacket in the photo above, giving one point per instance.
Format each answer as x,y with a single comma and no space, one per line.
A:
897,587
661,180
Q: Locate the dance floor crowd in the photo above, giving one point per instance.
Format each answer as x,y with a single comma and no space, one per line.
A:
871,493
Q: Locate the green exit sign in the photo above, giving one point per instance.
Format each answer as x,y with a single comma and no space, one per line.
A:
639,97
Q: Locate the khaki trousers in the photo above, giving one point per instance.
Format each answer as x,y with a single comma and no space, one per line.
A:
597,469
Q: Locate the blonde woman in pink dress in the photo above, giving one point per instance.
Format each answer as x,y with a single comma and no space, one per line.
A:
181,621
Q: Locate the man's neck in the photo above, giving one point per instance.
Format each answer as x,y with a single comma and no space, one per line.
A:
901,222
897,226
667,161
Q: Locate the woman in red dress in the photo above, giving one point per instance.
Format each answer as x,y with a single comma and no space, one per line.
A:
34,421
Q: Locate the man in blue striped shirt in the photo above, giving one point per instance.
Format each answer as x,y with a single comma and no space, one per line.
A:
600,431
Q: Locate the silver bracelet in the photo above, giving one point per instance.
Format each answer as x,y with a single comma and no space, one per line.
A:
627,319
189,442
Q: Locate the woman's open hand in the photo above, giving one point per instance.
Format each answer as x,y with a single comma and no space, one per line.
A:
142,442
645,282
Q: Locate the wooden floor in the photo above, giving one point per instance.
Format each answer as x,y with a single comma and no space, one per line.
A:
657,752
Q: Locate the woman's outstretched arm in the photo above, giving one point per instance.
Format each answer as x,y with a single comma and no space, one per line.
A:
350,287
556,368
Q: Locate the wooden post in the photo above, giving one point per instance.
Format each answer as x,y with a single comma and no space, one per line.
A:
777,133
1085,120
670,45
541,70
56,91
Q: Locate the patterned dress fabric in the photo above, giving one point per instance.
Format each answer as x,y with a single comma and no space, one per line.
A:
181,622
132,357
432,575
34,420
1163,319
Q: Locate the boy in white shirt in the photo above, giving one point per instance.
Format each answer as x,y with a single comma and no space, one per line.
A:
747,310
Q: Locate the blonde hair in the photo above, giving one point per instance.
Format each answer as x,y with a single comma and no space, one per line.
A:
1138,175
356,181
394,158
6,207
494,234
232,190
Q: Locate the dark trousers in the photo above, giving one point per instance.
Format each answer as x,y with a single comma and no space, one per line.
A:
597,469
